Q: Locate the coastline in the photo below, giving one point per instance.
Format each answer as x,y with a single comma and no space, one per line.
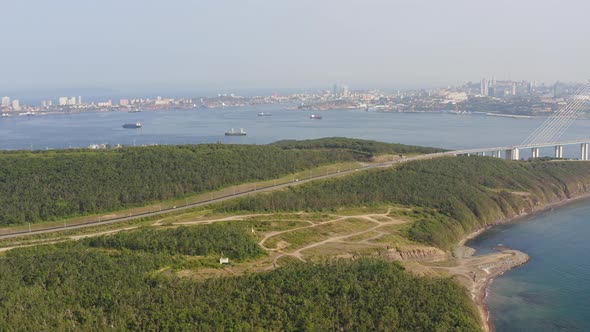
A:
479,288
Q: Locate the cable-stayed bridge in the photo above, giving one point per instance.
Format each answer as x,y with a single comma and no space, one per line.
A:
548,134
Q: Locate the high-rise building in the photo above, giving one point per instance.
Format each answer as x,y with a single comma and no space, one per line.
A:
345,90
514,88
531,87
63,101
492,91
72,101
79,100
16,105
340,90
483,87
5,101
124,102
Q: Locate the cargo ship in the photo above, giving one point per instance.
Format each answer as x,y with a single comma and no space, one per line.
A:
132,125
315,116
232,132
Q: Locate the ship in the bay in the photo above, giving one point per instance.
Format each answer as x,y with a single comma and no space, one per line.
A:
132,125
316,117
264,114
232,132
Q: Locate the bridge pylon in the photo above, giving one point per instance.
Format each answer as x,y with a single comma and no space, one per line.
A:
584,151
513,154
559,151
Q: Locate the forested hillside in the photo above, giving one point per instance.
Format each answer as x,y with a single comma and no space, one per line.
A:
466,192
75,287
361,146
231,240
46,185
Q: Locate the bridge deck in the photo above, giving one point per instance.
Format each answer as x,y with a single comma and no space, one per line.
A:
503,148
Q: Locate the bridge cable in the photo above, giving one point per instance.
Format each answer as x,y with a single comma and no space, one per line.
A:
554,126
557,120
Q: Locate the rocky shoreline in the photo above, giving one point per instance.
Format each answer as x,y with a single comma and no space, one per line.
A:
492,270
498,264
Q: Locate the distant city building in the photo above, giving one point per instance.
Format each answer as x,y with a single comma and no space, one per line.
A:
456,97
72,101
63,101
492,91
514,88
483,89
159,101
5,101
345,91
124,102
340,90
16,105
79,100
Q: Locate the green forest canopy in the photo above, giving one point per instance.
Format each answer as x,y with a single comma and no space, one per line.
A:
72,286
48,185
370,148
229,239
465,193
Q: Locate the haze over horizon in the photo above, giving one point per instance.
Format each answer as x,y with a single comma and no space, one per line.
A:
138,45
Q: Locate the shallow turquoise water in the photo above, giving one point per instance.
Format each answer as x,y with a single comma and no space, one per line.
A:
552,291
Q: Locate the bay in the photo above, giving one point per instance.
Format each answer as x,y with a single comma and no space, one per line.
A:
552,291
445,130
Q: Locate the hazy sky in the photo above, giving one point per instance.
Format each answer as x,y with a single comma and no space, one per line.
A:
199,44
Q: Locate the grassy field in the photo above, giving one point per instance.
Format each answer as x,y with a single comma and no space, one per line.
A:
303,235
297,239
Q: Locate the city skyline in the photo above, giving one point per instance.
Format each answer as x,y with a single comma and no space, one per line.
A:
147,45
489,96
33,97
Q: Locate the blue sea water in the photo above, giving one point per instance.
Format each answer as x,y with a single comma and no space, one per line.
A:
209,125
552,291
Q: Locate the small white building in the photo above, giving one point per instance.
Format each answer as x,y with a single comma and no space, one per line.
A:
223,260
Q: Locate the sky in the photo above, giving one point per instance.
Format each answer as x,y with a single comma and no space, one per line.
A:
185,45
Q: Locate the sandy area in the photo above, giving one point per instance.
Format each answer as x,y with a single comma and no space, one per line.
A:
476,273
